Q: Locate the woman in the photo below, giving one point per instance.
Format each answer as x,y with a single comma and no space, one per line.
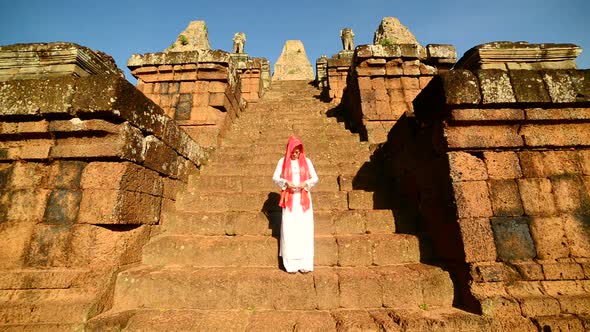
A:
295,176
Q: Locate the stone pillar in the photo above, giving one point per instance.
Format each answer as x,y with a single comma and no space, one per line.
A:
500,159
293,64
251,84
321,68
338,68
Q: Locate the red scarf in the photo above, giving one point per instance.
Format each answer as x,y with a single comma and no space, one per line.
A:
287,194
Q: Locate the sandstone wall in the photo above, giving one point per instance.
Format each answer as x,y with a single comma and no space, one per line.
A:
495,171
383,82
86,167
202,90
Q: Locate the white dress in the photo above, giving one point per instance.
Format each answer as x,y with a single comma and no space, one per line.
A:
296,244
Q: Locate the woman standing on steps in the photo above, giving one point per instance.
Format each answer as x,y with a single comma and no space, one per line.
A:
295,176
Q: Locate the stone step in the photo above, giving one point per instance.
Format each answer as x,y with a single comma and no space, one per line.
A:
261,136
286,96
254,319
316,145
317,141
302,116
183,287
55,278
247,250
293,105
259,223
235,156
227,168
47,306
254,201
236,184
342,156
319,129
42,327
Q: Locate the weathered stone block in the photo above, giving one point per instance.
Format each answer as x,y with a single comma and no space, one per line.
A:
549,237
472,199
571,195
528,86
16,237
361,200
117,96
500,114
66,174
326,285
7,171
29,150
487,271
560,323
354,251
495,87
349,222
562,271
24,174
411,68
536,196
23,205
127,145
122,176
49,246
560,86
360,289
461,87
483,136
529,270
43,96
465,166
584,157
326,250
502,165
535,306
577,228
400,289
160,157
62,206
85,127
109,248
478,239
118,207
552,135
505,198
513,239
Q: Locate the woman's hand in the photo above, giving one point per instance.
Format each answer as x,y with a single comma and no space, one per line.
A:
291,185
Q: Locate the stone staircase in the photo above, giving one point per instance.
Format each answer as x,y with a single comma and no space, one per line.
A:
215,265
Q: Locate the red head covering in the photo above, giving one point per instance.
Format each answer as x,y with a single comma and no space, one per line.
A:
287,194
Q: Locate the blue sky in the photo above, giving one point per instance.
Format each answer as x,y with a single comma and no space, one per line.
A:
122,28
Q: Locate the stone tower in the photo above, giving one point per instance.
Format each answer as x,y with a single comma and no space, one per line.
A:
293,63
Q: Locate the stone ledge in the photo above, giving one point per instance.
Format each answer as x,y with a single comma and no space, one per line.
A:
178,58
107,97
27,61
516,87
499,55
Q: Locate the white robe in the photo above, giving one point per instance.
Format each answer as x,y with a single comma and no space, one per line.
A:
296,244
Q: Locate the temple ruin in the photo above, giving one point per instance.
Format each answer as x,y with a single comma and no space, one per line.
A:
454,191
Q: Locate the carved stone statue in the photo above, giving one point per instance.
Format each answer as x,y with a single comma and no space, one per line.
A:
239,42
347,39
